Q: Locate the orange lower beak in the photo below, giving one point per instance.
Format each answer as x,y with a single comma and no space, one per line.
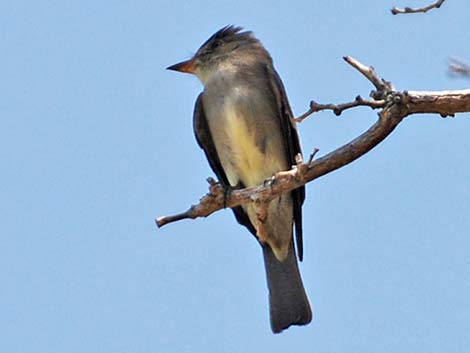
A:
187,66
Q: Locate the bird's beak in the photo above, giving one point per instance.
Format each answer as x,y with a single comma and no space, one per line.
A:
187,66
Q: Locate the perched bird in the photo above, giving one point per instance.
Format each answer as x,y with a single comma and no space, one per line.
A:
244,124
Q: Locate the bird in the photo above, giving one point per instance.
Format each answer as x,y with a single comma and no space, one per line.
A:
243,122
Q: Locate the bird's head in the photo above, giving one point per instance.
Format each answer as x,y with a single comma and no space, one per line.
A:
228,45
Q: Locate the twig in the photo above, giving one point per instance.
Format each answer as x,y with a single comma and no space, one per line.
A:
459,68
378,96
396,10
312,155
206,206
382,87
339,108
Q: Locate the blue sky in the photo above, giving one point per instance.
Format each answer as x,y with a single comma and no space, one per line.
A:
96,141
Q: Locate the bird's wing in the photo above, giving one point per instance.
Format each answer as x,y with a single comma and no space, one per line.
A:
292,148
205,141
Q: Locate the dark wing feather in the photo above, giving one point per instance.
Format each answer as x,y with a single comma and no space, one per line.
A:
204,139
292,146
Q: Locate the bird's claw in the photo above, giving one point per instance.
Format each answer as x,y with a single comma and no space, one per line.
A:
269,182
227,191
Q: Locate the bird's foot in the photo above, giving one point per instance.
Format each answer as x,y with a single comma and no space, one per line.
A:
269,182
228,189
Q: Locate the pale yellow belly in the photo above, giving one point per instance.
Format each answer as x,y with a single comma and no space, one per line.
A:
246,161
250,157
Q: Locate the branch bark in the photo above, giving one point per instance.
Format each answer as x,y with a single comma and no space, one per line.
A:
395,107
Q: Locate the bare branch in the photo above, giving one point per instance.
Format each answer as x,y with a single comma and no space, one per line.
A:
396,10
396,106
459,68
445,103
312,155
204,208
383,87
339,108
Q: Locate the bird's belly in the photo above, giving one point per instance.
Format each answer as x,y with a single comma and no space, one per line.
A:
247,152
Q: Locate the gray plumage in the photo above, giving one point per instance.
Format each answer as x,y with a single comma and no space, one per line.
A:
243,122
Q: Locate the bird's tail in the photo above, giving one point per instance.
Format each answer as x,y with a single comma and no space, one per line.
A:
288,302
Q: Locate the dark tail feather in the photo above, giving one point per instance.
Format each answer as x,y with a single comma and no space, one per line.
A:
288,302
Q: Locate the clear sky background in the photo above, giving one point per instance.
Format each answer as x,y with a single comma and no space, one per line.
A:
96,141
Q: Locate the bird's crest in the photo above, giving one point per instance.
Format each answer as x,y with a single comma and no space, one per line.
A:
229,33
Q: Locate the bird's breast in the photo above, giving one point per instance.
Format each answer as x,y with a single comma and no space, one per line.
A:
247,141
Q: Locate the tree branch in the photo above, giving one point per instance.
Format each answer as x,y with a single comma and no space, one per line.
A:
339,108
382,87
445,103
395,107
396,10
459,68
